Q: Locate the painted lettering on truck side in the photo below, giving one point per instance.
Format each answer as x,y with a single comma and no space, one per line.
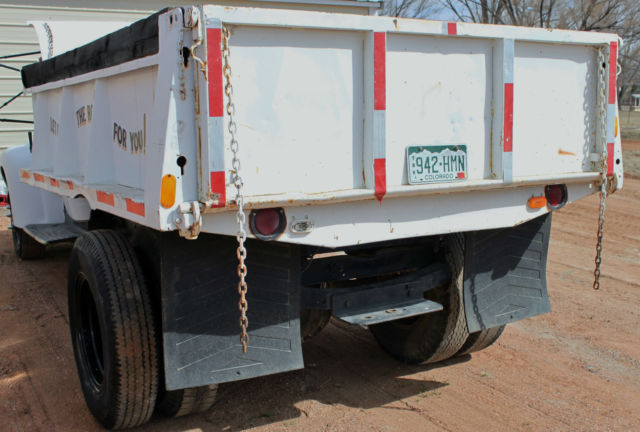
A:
137,139
83,115
54,126
120,136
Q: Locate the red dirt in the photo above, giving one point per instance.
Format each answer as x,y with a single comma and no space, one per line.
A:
576,369
630,145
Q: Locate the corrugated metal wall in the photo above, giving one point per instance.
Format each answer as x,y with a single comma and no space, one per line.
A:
18,37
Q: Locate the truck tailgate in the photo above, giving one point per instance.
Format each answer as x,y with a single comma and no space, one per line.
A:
329,113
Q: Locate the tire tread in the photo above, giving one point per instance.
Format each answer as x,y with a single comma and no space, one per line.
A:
178,403
480,340
136,362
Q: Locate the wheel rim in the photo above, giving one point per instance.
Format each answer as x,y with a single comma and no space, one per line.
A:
89,335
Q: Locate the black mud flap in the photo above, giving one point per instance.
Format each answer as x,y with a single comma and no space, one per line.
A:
200,310
505,274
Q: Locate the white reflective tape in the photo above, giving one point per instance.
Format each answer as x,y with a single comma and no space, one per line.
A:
507,68
379,134
611,122
507,167
216,143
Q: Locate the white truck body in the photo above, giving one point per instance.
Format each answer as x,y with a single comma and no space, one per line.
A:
326,106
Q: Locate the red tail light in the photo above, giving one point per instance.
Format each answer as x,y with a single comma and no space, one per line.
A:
267,224
556,196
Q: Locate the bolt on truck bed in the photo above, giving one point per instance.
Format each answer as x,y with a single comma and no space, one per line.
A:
425,156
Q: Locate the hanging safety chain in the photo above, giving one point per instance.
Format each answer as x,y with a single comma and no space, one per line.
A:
602,115
241,236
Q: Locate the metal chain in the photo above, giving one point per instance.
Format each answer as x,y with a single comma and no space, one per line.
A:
602,107
241,236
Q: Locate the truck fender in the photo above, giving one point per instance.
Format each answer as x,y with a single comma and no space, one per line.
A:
29,205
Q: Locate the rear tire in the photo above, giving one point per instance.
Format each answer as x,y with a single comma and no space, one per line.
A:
480,340
178,403
434,336
312,322
112,330
25,246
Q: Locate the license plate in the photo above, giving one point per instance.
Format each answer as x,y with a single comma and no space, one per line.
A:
438,163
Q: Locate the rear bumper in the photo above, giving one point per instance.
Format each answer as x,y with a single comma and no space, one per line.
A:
344,224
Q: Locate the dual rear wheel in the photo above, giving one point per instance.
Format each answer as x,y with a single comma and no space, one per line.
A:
115,340
439,335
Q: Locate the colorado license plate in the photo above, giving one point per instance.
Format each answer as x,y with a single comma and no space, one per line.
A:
438,163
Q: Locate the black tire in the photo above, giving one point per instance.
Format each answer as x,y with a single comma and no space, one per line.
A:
112,330
178,403
312,322
25,246
434,336
480,340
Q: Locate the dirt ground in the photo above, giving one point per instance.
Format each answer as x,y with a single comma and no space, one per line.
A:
630,124
576,369
631,158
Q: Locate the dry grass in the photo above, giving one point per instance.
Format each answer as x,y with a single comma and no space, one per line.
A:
631,160
630,124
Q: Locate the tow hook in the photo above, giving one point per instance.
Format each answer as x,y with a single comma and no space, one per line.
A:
188,219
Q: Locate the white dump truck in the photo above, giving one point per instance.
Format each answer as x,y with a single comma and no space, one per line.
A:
233,177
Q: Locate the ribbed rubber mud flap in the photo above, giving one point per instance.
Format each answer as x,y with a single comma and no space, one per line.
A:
201,317
505,274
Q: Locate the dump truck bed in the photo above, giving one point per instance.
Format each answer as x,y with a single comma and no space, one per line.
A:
361,128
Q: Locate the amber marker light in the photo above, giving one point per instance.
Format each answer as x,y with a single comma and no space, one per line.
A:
168,191
536,202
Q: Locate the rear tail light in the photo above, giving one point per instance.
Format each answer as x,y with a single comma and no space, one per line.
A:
267,224
556,196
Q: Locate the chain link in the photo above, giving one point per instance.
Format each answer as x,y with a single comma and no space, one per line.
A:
602,114
241,236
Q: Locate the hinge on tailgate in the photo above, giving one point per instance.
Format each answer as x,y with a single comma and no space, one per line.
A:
192,20
189,220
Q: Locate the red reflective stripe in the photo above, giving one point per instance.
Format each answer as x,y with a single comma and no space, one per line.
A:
380,173
105,198
610,159
214,59
452,28
38,177
70,184
53,182
508,117
613,70
135,207
219,187
24,174
379,71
